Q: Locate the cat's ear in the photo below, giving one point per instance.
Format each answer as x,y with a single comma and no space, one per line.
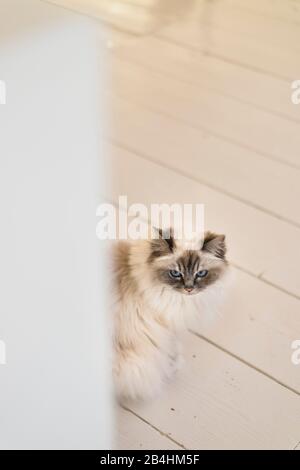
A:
214,244
163,243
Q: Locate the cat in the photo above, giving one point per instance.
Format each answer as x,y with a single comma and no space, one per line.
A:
157,282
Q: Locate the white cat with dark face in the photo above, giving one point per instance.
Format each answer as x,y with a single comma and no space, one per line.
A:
157,283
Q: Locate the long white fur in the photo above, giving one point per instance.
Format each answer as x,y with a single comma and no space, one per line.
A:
146,327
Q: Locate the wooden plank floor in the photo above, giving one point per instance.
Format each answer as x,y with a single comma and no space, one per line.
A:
201,111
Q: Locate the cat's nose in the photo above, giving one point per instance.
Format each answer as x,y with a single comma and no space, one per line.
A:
188,289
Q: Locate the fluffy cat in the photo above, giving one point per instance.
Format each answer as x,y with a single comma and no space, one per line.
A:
158,282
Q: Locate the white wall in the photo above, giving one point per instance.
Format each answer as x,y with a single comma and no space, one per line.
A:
54,388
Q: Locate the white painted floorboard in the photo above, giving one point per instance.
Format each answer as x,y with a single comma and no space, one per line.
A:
236,121
287,11
176,60
219,403
252,52
220,164
135,434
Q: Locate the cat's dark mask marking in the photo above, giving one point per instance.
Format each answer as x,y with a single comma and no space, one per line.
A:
163,245
215,244
189,262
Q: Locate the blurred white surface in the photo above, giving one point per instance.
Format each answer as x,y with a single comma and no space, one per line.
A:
54,390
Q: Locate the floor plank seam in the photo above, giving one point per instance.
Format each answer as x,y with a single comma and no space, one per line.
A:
243,65
297,446
246,363
260,153
155,428
261,278
110,25
106,23
72,9
204,86
267,16
210,24
204,183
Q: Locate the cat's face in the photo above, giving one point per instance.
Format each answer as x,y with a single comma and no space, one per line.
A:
188,271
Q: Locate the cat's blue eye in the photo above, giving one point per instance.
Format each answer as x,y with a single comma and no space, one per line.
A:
202,273
175,274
